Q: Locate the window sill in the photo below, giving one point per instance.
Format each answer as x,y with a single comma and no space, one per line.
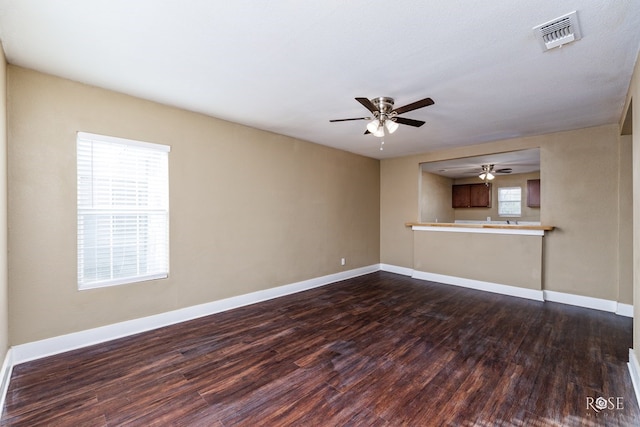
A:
118,282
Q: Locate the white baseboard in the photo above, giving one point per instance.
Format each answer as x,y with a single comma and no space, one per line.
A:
624,310
497,288
589,302
634,371
545,295
5,378
55,345
395,269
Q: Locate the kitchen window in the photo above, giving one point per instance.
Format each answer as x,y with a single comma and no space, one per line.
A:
123,211
510,201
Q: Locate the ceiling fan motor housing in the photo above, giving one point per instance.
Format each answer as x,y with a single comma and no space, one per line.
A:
384,105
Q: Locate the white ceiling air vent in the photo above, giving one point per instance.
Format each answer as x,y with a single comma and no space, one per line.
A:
559,31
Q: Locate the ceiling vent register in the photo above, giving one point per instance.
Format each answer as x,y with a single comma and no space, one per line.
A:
558,32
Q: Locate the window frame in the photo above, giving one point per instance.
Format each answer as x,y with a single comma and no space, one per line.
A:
116,214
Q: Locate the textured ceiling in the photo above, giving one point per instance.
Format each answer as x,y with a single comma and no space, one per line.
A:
289,66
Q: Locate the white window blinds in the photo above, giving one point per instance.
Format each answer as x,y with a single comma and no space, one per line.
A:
509,201
123,211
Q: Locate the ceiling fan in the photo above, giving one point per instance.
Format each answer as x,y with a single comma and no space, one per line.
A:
385,118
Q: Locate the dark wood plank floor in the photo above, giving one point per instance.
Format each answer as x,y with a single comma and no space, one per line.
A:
377,350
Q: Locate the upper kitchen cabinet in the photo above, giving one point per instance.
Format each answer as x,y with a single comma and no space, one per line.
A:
533,193
471,196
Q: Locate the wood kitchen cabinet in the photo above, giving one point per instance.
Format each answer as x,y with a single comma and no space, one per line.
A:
533,193
471,196
460,196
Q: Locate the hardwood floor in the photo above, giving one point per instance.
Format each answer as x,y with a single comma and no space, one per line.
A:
377,350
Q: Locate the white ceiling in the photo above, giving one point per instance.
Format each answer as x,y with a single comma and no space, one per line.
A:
289,66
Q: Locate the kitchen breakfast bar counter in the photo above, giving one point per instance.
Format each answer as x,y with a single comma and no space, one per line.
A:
502,258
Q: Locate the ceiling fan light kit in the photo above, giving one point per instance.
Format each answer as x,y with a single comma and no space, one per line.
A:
487,173
378,128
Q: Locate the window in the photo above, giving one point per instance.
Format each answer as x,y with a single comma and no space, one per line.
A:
509,201
123,211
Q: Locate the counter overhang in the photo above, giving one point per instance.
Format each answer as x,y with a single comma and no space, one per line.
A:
522,230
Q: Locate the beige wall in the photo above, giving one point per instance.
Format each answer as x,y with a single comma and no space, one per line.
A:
4,302
399,195
581,255
481,214
249,209
435,198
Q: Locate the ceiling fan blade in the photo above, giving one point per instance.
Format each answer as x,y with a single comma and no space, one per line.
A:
367,104
414,105
504,170
410,122
348,120
366,132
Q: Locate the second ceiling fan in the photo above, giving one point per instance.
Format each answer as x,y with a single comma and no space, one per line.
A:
385,118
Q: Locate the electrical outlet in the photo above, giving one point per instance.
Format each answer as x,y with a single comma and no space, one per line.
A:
343,261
